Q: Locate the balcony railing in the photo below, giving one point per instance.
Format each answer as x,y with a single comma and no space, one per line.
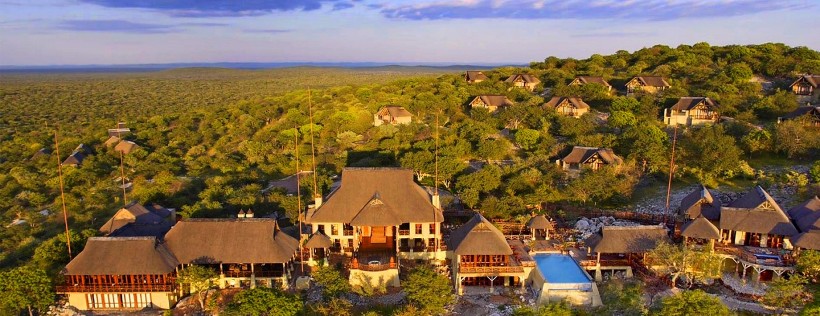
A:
88,288
372,267
258,274
404,232
348,232
604,263
500,269
765,256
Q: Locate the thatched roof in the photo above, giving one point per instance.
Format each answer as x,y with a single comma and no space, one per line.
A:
807,240
813,80
122,256
590,79
530,79
700,228
649,81
577,103
700,203
688,103
627,239
811,110
539,222
126,147
807,215
75,159
493,100
240,240
479,237
395,187
137,220
756,212
583,154
43,152
395,111
318,240
475,76
111,141
289,183
376,213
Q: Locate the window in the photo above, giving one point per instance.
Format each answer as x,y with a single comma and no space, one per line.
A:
321,228
418,229
433,228
350,243
334,229
111,301
127,300
94,301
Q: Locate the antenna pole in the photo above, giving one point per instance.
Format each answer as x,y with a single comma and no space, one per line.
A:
62,193
312,146
671,171
435,180
299,202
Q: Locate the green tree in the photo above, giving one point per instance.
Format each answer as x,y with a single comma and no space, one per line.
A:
787,293
198,280
622,297
710,150
26,288
694,302
527,138
794,139
814,172
337,306
428,290
263,301
548,309
332,282
493,149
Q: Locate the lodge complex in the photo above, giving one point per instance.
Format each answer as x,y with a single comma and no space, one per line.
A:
378,222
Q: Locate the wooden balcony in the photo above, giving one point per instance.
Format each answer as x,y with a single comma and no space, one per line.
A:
404,232
372,267
125,288
258,274
492,270
771,257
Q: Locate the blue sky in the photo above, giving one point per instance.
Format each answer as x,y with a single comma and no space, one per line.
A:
49,32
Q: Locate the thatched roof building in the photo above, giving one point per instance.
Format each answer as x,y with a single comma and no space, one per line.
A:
318,240
138,220
700,203
582,80
539,222
807,240
649,81
756,212
122,256
479,237
377,195
126,147
700,228
475,76
627,239
241,240
581,155
807,215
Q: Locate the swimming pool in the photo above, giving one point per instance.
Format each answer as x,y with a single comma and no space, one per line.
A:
557,268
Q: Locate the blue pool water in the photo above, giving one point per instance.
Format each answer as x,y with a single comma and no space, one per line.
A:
558,268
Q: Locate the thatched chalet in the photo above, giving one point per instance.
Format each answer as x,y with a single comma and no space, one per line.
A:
393,115
806,216
474,76
43,152
755,219
540,227
526,81
588,157
692,111
490,102
700,203
616,247
126,147
806,88
121,273
136,220
112,141
482,256
244,251
584,80
807,115
646,84
573,107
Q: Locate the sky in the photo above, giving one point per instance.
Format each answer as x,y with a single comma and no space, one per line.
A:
79,32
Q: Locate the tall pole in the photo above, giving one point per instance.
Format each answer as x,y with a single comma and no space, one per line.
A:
62,193
435,179
671,171
122,171
299,203
312,146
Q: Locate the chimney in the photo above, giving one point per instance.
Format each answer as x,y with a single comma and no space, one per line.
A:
249,214
241,214
436,201
317,201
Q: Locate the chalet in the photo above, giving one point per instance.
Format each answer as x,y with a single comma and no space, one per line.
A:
808,115
482,256
617,248
700,230
647,84
43,152
136,220
121,273
806,88
75,159
588,157
756,220
806,216
540,227
573,107
700,203
318,245
490,102
246,252
692,111
379,215
120,131
474,76
112,141
582,80
525,81
807,240
289,183
126,147
393,115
